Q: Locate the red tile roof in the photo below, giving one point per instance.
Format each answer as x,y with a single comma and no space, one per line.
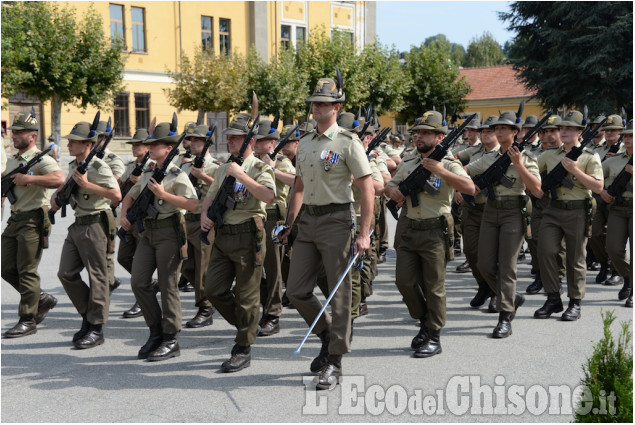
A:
494,82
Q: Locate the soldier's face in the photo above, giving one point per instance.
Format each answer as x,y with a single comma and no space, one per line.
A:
426,140
628,143
290,148
139,149
612,135
600,134
550,137
325,111
196,145
234,143
470,135
505,133
78,147
158,151
22,139
569,134
488,137
264,146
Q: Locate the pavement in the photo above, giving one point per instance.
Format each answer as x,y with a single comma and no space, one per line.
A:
475,379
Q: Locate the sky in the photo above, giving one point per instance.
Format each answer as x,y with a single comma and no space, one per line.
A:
406,23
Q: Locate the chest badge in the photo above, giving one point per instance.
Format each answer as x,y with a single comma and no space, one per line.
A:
329,159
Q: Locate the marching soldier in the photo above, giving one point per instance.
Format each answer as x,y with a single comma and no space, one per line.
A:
195,267
239,246
426,247
597,242
471,135
327,157
504,225
27,230
160,247
534,145
90,239
284,172
127,248
472,216
620,220
567,216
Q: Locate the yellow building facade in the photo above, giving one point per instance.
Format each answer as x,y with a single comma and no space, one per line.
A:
156,33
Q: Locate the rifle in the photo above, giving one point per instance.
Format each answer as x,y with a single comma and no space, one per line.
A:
495,174
138,170
418,179
619,184
224,200
200,159
405,148
282,142
367,118
102,150
7,180
557,176
614,148
143,206
377,140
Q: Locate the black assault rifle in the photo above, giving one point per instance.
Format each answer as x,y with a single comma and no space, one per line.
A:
283,142
138,170
143,206
614,148
102,150
495,174
558,176
224,199
7,180
377,140
199,161
418,179
617,188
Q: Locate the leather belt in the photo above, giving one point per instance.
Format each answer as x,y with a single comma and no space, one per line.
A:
316,210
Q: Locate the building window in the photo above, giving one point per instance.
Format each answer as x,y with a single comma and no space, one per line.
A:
117,27
300,36
138,29
224,33
206,33
285,36
122,125
142,109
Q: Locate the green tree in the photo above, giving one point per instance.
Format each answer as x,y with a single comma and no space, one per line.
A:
210,83
484,51
49,55
435,81
440,42
574,53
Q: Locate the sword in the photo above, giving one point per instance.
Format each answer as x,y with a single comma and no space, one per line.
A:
328,300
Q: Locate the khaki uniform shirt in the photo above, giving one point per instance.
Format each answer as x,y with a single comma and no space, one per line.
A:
388,149
535,148
481,198
31,197
465,155
131,166
379,158
248,205
115,163
211,166
598,148
326,161
357,194
175,182
100,174
588,162
518,188
282,190
430,206
179,159
612,167
458,147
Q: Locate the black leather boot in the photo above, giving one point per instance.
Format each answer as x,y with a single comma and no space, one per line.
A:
168,348
330,374
629,300
46,303
153,342
573,312
25,326
536,285
491,307
114,285
552,305
604,272
464,268
132,312
270,326
240,359
483,293
93,338
504,327
83,330
614,280
322,358
626,290
420,338
432,346
204,317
